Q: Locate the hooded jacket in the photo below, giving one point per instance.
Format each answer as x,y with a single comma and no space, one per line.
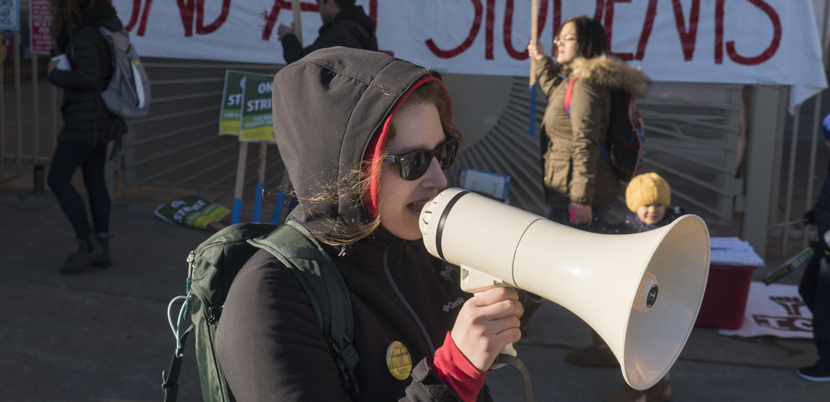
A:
327,108
351,27
87,121
574,170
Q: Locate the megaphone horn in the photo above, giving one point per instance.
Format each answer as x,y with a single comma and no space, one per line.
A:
641,293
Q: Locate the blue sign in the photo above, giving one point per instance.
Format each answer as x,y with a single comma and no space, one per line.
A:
10,15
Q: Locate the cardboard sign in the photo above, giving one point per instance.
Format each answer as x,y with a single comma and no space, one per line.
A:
231,110
256,120
191,211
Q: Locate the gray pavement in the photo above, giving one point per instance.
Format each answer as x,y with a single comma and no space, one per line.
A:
102,335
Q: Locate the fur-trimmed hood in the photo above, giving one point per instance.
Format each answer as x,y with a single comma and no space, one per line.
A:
610,72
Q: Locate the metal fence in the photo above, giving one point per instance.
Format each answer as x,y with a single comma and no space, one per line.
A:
177,145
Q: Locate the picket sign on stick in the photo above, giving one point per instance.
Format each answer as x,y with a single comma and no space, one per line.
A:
240,183
534,35
286,181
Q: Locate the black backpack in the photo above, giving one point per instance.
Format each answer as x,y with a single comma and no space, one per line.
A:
625,150
211,270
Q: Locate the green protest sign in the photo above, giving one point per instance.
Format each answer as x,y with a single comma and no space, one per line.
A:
232,100
255,117
192,211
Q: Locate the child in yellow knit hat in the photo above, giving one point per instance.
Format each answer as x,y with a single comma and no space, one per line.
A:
648,196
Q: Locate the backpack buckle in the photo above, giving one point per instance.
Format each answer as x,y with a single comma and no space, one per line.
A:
347,360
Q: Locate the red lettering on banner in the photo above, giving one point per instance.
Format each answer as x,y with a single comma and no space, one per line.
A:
488,29
508,29
187,9
271,18
719,15
773,46
373,10
792,324
609,27
134,15
201,29
651,14
688,37
600,7
142,26
446,54
186,13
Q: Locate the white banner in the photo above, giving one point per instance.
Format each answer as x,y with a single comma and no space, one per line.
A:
774,310
712,41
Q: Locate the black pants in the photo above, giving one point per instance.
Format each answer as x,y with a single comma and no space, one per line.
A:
815,290
67,159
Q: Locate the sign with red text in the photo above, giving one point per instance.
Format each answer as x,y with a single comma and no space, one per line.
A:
714,41
774,310
40,20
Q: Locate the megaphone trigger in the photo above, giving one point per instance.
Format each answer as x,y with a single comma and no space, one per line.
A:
507,349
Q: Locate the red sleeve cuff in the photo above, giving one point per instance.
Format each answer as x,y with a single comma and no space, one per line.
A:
457,372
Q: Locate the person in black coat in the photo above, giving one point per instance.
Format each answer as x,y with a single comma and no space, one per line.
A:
814,287
344,24
88,124
362,174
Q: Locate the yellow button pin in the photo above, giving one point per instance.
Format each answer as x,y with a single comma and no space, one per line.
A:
398,360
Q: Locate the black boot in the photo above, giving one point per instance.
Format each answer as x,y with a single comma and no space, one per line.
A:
105,261
88,252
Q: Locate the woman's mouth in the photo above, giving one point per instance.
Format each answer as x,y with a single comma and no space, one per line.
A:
417,206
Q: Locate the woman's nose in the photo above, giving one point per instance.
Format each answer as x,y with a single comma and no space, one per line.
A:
434,176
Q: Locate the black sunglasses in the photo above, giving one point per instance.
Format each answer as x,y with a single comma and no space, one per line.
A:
414,164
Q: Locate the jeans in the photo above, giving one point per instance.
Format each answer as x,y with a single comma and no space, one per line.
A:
67,159
563,216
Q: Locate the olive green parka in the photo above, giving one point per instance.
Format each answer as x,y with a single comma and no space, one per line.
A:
574,170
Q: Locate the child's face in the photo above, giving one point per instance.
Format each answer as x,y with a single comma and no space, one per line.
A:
651,214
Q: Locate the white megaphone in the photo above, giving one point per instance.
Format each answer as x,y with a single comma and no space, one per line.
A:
640,292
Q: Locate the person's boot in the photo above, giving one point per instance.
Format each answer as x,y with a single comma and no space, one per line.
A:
105,260
531,303
596,355
660,392
88,252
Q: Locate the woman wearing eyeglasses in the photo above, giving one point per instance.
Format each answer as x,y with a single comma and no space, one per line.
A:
578,181
364,137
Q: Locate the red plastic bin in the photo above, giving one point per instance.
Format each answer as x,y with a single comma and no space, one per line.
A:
724,301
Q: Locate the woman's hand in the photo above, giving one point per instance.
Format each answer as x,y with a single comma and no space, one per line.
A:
580,214
538,53
52,65
486,323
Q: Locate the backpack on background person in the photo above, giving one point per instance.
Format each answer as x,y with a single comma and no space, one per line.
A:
626,138
212,267
128,92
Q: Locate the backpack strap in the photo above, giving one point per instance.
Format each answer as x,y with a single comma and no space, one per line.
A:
170,378
568,95
297,249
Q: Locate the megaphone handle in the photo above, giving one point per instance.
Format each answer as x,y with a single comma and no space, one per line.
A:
506,350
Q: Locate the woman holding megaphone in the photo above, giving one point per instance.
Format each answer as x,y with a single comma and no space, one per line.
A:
364,138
